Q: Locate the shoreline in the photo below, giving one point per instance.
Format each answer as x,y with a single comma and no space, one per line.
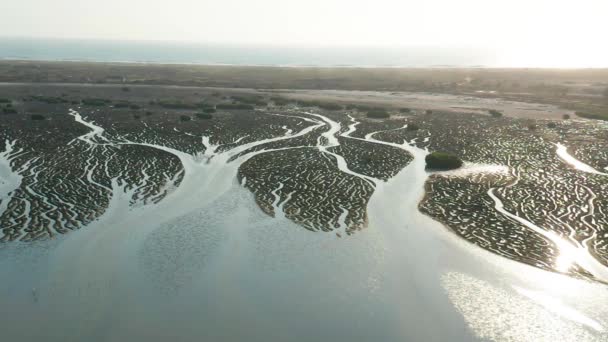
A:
301,66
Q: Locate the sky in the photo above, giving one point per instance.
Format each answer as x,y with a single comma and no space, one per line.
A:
566,30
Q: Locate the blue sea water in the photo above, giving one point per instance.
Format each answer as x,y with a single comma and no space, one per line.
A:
214,54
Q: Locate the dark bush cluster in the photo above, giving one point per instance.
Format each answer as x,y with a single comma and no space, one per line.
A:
596,116
378,113
185,118
252,100
442,161
322,105
204,116
95,102
413,127
279,101
37,117
9,110
49,99
494,113
234,106
175,104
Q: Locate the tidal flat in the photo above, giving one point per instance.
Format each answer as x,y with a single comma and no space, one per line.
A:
144,211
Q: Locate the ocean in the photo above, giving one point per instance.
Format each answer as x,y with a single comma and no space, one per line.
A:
217,54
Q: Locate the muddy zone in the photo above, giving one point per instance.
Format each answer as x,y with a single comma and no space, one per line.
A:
63,183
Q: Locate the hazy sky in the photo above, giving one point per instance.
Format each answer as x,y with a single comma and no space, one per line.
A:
562,28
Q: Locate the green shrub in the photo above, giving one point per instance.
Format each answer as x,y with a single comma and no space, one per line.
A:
121,105
552,125
279,101
442,161
566,116
252,100
209,110
234,106
596,116
49,99
4,100
37,117
322,105
136,116
494,113
405,110
204,116
378,113
134,106
125,89
412,127
429,112
95,102
175,104
9,111
330,106
185,118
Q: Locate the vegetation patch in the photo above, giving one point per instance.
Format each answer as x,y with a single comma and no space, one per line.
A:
442,161
413,127
185,118
37,117
252,100
175,104
96,102
279,101
322,105
204,116
494,113
378,113
234,106
596,116
49,99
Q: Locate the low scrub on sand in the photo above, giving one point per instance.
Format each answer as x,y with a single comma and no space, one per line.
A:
322,105
378,113
175,104
37,117
596,116
204,116
494,113
49,99
412,127
185,118
252,100
279,101
442,161
234,106
96,102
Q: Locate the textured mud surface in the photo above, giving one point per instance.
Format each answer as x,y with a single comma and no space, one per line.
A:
530,180
529,192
